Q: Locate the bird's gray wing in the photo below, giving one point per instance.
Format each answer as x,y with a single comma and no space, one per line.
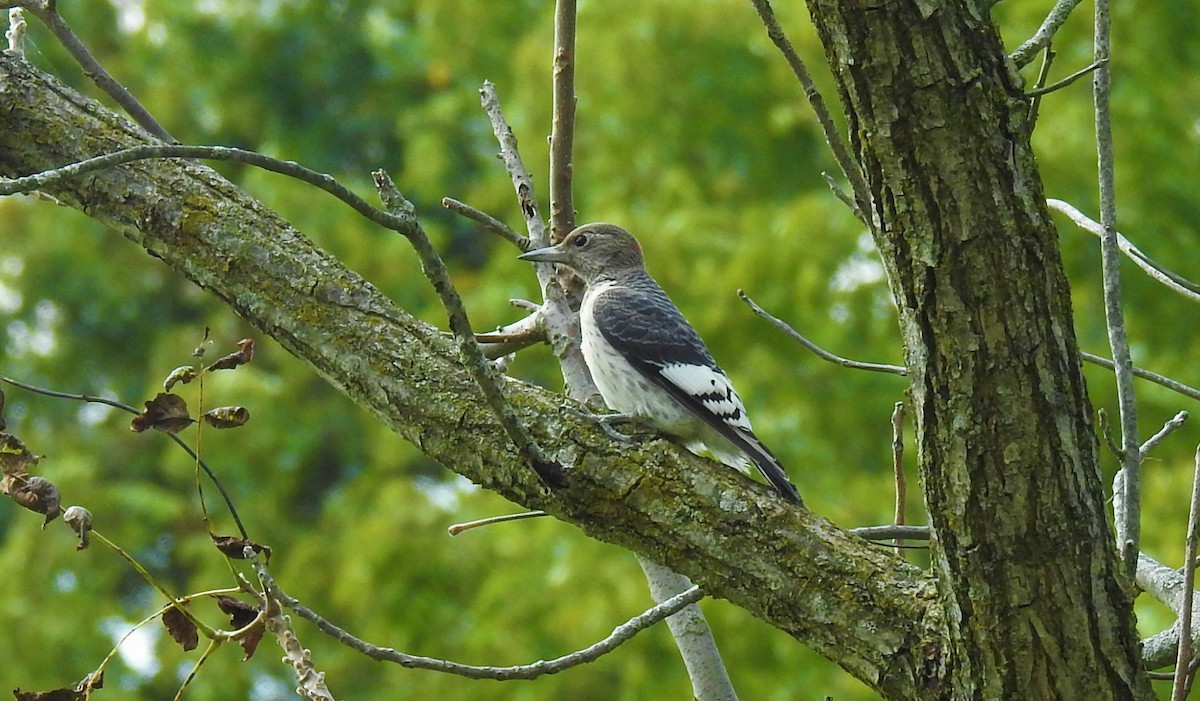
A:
647,329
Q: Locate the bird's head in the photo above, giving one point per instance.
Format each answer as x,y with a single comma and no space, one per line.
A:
594,251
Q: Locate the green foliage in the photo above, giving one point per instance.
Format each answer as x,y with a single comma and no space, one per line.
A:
693,134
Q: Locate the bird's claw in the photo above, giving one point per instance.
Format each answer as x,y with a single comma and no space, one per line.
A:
606,422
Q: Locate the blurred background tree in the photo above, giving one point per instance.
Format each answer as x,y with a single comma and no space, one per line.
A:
691,133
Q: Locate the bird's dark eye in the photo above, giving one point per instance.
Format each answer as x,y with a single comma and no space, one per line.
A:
580,241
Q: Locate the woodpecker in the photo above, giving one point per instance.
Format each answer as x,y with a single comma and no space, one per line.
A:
647,360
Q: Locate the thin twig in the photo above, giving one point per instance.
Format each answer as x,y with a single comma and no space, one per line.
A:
1168,428
1060,84
1176,282
511,157
562,130
1162,380
214,153
47,12
310,682
459,528
1156,378
557,312
898,465
892,532
841,194
1184,658
289,168
1113,312
176,602
619,635
1035,103
1045,33
523,338
526,331
833,137
489,222
486,376
125,407
820,352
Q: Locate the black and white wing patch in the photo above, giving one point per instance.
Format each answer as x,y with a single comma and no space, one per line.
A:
643,325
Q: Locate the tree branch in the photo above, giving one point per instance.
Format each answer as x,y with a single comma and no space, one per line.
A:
489,222
562,132
1175,282
703,520
841,154
1045,33
819,351
1184,659
133,410
558,317
485,374
47,12
1113,313
619,635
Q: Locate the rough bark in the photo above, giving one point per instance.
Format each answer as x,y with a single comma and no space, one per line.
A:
1026,568
854,603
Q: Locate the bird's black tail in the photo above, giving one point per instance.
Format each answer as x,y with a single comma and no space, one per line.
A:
768,465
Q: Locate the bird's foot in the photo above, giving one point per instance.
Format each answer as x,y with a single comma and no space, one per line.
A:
606,422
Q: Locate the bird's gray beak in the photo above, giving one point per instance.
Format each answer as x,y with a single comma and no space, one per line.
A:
550,254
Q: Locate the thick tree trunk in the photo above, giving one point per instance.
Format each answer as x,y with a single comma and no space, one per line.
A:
1026,566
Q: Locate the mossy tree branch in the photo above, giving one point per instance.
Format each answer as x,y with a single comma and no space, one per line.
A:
854,603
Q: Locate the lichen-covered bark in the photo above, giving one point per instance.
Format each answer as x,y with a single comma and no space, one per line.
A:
856,604
1026,567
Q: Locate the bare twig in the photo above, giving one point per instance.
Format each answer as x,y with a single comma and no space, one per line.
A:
558,318
841,194
619,635
1165,584
1156,378
489,222
1114,314
1184,658
1045,33
898,465
459,528
47,12
1168,428
706,671
837,144
562,131
524,332
820,352
892,532
328,183
1162,380
515,167
1043,75
1176,282
486,376
132,410
310,683
1060,84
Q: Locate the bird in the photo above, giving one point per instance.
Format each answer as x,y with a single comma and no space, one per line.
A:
648,362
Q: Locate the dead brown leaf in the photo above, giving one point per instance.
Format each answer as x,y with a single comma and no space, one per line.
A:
181,628
166,412
227,416
243,355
